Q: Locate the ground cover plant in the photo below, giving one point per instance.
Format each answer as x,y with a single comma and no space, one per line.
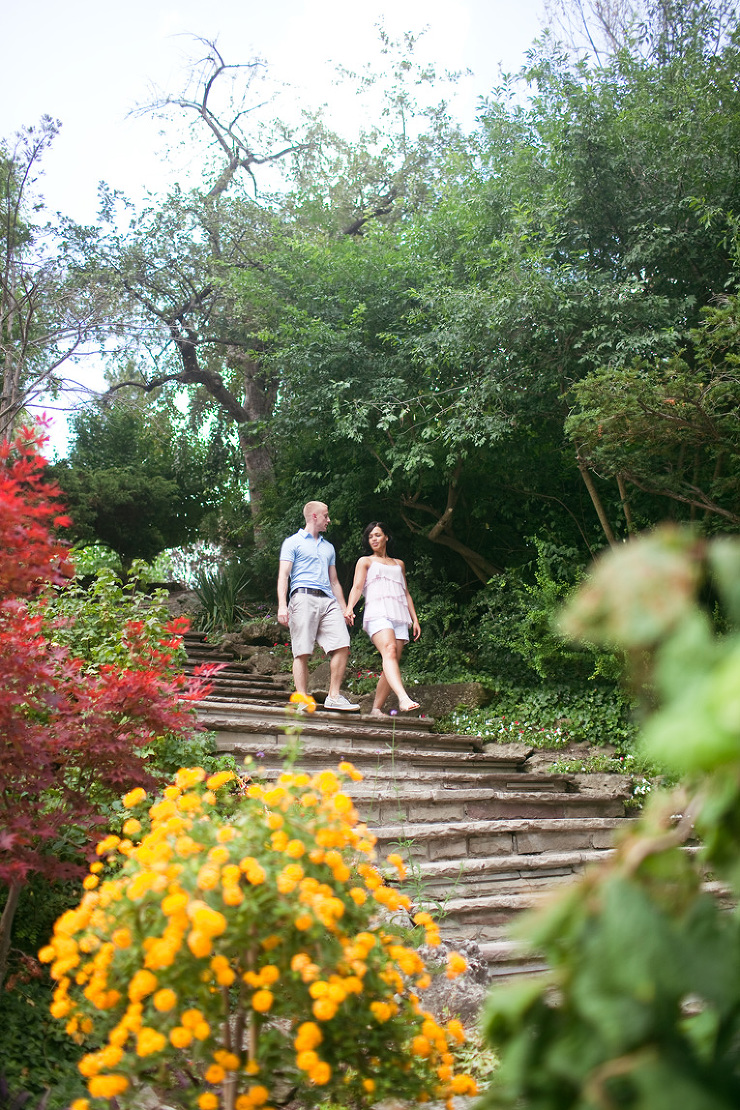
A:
229,948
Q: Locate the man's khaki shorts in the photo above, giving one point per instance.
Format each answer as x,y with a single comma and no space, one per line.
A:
314,620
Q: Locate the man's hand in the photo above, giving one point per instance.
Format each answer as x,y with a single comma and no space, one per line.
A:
283,617
349,616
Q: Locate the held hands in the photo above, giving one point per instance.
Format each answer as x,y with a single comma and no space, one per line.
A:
349,616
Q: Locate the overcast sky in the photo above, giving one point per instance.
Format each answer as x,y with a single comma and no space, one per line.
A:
89,63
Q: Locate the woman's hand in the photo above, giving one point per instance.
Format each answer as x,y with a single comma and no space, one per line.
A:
349,615
416,629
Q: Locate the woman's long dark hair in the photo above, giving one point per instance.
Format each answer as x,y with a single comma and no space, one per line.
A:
366,548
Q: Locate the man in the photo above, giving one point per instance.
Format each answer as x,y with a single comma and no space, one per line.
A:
315,613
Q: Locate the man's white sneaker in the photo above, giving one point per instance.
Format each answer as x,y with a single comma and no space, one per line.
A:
340,702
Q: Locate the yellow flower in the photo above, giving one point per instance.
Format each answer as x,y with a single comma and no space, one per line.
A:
258,1095
295,849
206,920
464,1085
308,1036
142,984
228,1060
90,882
304,700
232,895
199,943
208,1101
350,770
306,1060
262,1001
214,1074
369,1085
382,1011
456,965
79,1104
149,1041
180,1037
219,779
121,938
188,777
107,1086
324,1009
208,877
395,860
326,783
132,826
253,870
456,1031
134,797
320,1074
358,895
420,1046
174,903
164,1000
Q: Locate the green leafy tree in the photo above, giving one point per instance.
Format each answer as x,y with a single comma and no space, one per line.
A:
135,482
48,315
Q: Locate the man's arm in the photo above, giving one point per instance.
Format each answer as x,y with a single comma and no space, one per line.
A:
336,589
285,568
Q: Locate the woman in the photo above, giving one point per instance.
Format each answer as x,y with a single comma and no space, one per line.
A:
389,611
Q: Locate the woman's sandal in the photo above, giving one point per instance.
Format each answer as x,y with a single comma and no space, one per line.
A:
410,708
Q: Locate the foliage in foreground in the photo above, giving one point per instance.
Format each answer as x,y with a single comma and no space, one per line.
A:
76,727
233,954
641,1005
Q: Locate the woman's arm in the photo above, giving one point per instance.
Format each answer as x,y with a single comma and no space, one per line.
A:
415,626
357,587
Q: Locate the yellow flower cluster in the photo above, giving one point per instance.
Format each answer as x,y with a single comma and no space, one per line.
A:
255,911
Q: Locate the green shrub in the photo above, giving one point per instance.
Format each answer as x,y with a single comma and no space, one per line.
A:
221,594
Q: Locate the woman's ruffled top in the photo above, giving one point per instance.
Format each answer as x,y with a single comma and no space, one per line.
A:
385,594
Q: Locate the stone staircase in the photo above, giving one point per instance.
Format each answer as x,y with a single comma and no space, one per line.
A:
484,836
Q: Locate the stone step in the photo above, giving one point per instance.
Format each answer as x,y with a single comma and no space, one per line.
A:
443,879
400,805
488,917
485,838
508,959
239,673
473,839
413,770
312,724
379,763
251,689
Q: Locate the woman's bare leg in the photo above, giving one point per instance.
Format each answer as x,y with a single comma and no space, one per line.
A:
390,651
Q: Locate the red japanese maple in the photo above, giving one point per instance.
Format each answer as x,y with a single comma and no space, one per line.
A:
69,739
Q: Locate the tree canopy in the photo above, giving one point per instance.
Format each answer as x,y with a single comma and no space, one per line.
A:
516,331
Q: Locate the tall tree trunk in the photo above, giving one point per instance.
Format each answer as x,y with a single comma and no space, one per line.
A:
260,394
441,532
625,504
6,927
596,501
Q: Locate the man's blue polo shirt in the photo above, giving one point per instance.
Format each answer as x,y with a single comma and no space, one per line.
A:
311,559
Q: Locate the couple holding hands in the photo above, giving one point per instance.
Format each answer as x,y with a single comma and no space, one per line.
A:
315,610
